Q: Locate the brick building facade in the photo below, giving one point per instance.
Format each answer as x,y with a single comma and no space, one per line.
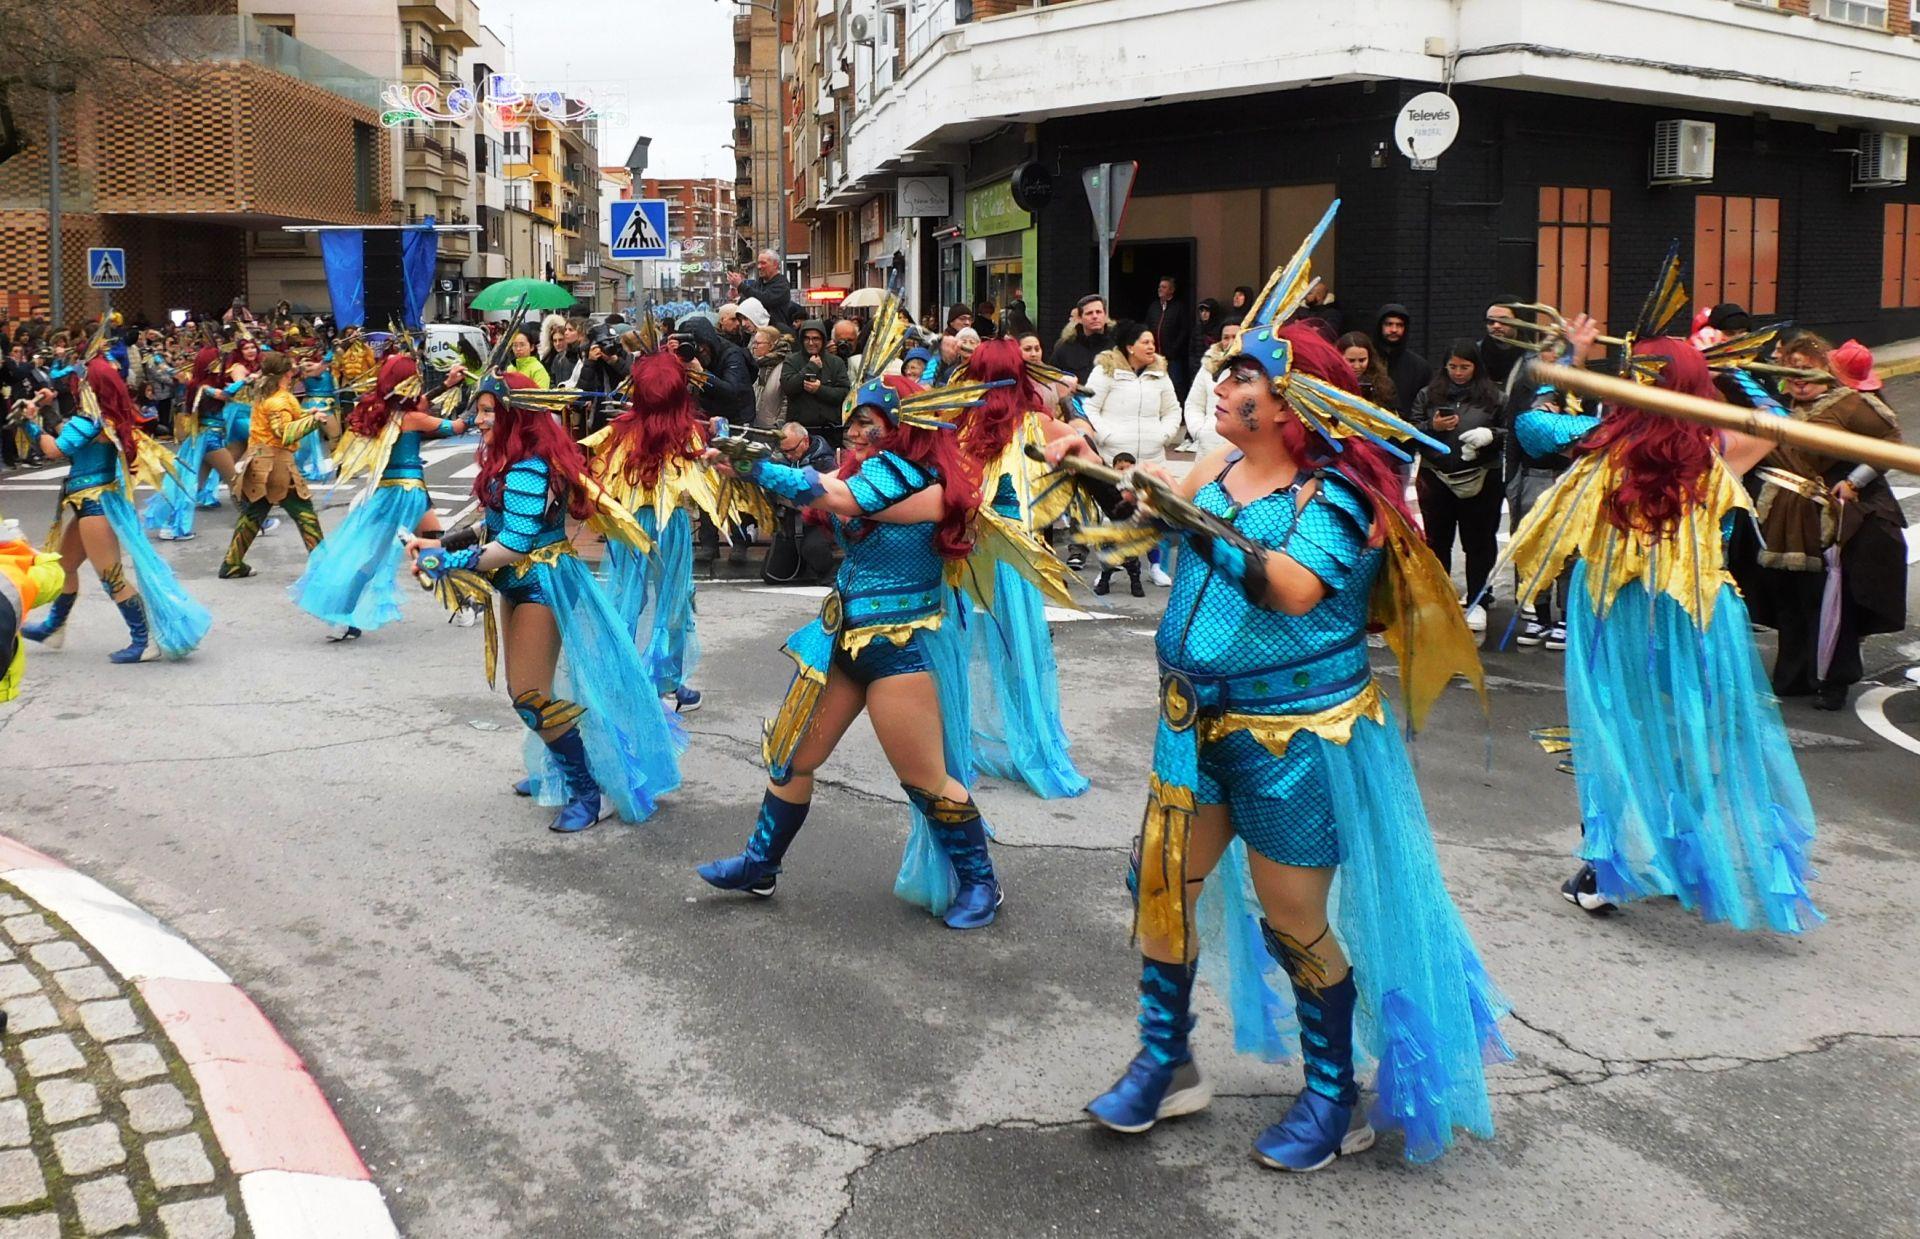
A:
178,181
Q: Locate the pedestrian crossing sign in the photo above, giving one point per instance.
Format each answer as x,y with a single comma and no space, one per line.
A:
639,228
107,268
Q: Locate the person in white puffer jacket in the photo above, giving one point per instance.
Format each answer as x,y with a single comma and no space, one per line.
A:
1199,413
1130,400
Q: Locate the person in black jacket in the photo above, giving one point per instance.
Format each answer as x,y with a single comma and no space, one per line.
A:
604,369
1172,329
1460,489
728,389
770,289
1498,354
802,549
815,383
1084,343
1410,371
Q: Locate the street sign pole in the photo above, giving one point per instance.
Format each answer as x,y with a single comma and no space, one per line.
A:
1108,186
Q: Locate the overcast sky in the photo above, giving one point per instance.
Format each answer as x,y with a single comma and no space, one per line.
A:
673,58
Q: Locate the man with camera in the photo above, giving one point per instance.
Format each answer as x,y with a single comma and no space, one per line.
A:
769,286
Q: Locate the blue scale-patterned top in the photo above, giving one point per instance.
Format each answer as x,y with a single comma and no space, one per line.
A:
93,458
891,574
1268,662
405,462
528,517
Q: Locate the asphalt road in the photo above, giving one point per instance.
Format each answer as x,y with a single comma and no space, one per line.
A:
572,1036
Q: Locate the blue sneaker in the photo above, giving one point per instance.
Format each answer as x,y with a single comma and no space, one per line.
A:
974,905
1314,1132
686,700
524,787
741,873
578,815
1151,1091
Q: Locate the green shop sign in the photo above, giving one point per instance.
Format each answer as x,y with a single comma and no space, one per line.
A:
991,210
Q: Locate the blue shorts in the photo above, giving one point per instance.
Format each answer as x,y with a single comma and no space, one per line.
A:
90,506
881,658
1281,806
526,586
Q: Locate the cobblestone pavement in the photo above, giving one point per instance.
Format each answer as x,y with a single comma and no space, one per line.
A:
101,1128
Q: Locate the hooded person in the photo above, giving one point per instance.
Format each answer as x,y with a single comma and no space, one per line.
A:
815,383
1393,340
723,373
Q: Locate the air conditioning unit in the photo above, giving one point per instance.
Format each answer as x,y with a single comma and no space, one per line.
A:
862,22
1682,152
1882,161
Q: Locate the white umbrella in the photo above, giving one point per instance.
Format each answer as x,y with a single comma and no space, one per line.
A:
864,298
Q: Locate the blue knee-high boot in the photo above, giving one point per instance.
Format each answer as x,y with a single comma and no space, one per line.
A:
583,808
1162,1081
755,869
140,645
961,832
1322,1123
51,631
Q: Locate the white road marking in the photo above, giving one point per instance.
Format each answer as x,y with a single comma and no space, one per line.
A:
1872,709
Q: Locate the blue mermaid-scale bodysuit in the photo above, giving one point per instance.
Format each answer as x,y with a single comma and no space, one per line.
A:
1278,718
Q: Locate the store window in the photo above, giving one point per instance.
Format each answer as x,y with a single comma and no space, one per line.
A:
1736,252
1575,250
1900,258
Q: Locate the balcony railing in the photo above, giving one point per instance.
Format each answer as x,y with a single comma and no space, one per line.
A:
425,57
217,40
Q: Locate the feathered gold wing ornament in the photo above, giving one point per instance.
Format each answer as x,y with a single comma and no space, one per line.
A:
153,464
997,540
613,521
356,454
466,590
1415,607
884,343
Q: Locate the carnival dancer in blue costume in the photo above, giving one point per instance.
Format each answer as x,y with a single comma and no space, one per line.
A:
1280,774
1014,726
903,508
350,577
577,681
652,460
201,432
316,395
1686,780
106,455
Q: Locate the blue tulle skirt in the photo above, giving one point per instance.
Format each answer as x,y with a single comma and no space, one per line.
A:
654,597
633,742
171,508
1688,785
352,576
311,457
1017,733
178,622
1428,1013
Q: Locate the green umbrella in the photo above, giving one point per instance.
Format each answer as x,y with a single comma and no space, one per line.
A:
540,295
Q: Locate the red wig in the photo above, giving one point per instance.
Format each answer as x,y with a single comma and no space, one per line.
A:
1360,460
1663,462
985,431
116,405
521,433
206,370
661,420
237,357
939,451
370,414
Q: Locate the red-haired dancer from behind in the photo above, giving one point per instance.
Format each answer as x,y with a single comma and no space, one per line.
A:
577,681
1014,728
1280,776
652,460
351,577
1687,783
202,435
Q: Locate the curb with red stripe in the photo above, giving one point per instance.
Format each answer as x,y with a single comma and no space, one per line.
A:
300,1176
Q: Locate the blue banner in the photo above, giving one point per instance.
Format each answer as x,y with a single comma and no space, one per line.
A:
343,252
419,247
